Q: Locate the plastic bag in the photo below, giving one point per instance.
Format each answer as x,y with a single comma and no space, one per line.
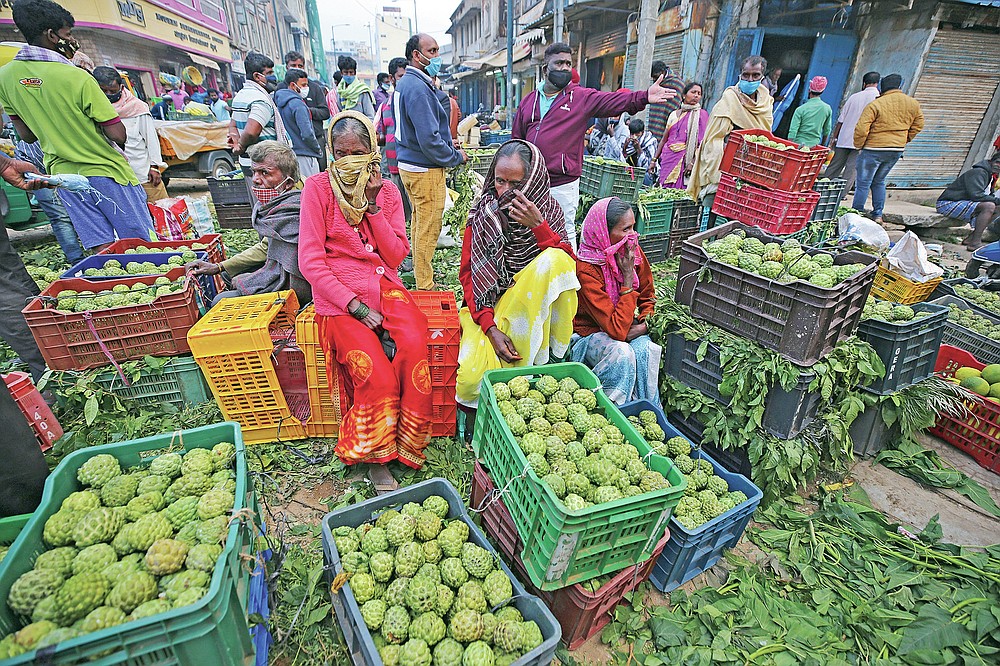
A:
908,257
854,228
201,215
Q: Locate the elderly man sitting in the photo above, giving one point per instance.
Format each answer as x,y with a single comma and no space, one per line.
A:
273,263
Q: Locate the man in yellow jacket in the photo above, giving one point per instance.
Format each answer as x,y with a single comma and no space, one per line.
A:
885,127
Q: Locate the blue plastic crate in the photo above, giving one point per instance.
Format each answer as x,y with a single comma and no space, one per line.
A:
207,282
356,635
690,552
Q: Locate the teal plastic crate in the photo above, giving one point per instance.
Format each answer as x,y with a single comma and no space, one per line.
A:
654,217
360,645
562,547
11,526
212,631
180,383
611,180
19,205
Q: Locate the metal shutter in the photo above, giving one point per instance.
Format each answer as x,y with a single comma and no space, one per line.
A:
667,48
952,115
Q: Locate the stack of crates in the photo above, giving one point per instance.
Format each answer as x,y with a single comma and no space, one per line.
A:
234,344
326,395
768,187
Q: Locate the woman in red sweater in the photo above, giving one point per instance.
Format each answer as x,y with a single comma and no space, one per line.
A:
616,297
352,239
517,272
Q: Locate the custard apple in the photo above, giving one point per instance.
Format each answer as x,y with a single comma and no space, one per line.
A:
98,525
373,612
131,591
94,558
81,500
395,625
80,594
466,626
448,653
497,587
166,556
428,627
168,465
150,608
202,556
119,490
409,559
98,470
428,525
401,529
478,561
31,587
421,595
59,560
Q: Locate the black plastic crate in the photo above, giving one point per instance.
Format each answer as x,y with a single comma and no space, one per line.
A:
686,223
947,288
786,413
980,346
655,247
830,194
735,460
799,320
234,216
908,349
229,192
869,432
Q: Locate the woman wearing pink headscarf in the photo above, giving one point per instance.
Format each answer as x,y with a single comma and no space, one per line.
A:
615,298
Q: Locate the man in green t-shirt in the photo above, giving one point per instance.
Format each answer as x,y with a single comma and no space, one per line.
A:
50,99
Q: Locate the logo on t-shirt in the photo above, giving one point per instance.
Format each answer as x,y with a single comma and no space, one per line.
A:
31,82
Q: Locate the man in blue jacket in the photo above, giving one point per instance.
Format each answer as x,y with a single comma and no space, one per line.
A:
424,149
298,123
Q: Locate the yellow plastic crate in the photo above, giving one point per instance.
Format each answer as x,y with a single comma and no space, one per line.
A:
233,345
325,411
893,287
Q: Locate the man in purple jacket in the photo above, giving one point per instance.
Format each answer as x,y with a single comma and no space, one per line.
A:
556,116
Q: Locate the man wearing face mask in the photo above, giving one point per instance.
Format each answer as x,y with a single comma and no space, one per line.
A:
295,116
556,116
424,149
142,145
354,94
255,115
273,263
747,105
382,89
315,100
61,106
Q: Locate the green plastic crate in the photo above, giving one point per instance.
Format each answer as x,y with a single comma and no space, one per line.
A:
212,631
655,219
180,383
564,547
19,210
11,526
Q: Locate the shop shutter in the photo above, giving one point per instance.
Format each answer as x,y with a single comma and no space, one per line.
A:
956,87
667,48
605,43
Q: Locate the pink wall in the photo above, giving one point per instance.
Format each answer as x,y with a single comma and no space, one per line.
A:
216,22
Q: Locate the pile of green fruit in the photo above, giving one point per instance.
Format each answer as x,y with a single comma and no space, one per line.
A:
128,545
575,450
427,593
707,496
762,140
235,175
782,263
890,312
658,194
985,382
69,300
186,249
114,268
989,300
42,276
974,322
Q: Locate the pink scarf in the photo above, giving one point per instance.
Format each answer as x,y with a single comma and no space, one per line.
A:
130,106
596,248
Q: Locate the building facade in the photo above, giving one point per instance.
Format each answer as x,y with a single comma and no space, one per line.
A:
394,29
147,37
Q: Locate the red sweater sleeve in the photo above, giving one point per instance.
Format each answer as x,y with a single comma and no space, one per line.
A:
312,249
615,320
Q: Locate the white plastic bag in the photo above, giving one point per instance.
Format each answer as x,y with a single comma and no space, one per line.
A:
853,227
908,257
200,214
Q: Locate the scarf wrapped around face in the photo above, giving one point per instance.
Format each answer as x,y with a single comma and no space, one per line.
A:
130,106
500,247
596,248
349,175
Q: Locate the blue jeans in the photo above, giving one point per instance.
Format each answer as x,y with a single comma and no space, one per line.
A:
873,168
62,228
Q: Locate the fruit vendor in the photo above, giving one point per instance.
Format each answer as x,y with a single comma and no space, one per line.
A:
60,105
684,132
970,199
616,297
747,105
272,264
352,241
517,272
556,116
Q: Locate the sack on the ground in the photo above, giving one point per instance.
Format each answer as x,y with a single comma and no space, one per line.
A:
853,227
201,215
908,257
171,220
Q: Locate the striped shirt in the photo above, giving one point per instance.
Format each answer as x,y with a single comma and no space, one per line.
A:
252,102
387,126
657,114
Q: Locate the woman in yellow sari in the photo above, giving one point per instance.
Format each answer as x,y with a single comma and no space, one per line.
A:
518,272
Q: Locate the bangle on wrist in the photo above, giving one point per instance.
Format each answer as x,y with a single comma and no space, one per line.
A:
361,311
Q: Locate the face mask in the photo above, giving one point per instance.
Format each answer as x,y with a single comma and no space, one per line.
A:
114,98
350,167
304,92
560,78
266,195
748,87
433,65
348,80
67,47
270,83
386,87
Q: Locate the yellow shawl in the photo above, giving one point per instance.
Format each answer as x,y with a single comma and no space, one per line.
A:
734,111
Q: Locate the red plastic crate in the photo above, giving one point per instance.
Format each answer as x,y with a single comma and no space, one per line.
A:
978,433
443,334
32,405
68,342
580,613
775,212
792,170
